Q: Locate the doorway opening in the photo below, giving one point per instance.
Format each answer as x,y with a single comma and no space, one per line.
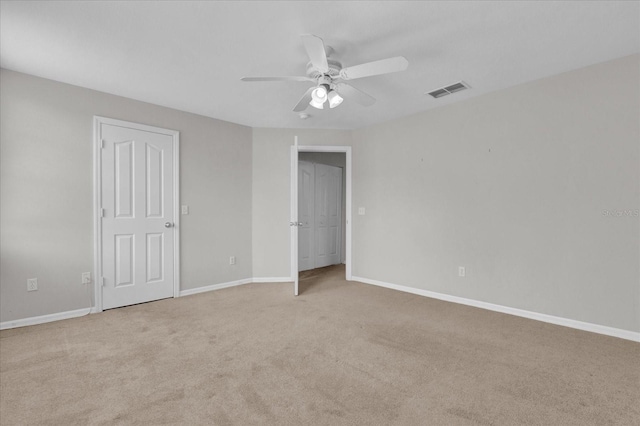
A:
320,210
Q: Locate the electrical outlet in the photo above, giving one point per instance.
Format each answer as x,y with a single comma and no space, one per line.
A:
86,278
461,271
32,284
232,260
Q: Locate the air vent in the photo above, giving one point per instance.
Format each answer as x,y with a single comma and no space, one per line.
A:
452,88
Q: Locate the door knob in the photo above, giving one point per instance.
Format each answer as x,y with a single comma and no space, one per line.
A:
168,224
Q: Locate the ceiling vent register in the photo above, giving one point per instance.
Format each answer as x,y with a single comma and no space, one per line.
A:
452,88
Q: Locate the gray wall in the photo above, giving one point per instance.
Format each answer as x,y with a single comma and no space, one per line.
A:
46,192
336,159
271,193
513,186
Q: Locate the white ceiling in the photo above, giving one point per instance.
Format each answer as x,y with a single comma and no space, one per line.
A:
191,55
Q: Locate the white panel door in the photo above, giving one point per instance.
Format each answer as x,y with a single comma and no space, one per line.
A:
328,214
137,227
306,211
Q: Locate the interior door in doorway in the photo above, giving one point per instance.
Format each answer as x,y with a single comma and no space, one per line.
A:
328,215
319,215
306,213
138,216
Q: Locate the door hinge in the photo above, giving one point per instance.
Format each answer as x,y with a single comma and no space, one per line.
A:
102,143
102,281
103,212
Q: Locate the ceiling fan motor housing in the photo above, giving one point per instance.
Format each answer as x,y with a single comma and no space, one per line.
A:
334,69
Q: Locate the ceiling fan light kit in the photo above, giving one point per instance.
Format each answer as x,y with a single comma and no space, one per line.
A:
316,104
334,99
330,77
319,96
325,93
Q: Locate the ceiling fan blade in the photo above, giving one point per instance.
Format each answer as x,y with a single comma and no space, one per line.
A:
303,103
384,66
315,49
348,91
294,78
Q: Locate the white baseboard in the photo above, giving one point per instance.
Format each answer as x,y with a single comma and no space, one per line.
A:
234,283
80,312
272,279
44,318
566,322
214,287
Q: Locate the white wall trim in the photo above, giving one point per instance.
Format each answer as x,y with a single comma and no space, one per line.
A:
234,284
213,287
97,214
176,211
272,279
293,250
85,311
44,318
566,322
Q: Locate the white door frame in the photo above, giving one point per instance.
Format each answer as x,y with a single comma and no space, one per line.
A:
294,205
97,205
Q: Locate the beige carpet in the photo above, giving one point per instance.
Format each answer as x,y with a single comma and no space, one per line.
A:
342,353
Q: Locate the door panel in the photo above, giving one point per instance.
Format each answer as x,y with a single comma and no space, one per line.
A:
124,260
124,178
328,209
154,180
155,260
306,205
137,197
332,244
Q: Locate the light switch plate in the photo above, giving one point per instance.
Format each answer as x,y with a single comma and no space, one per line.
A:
86,278
185,209
361,211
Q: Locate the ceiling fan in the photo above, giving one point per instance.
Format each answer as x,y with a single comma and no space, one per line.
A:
329,77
